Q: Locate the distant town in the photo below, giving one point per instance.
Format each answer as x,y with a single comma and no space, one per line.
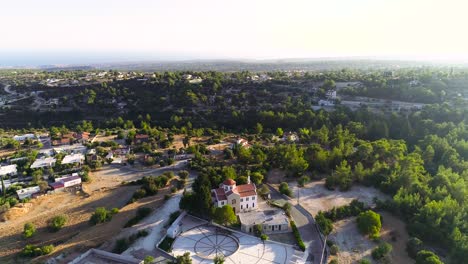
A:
346,165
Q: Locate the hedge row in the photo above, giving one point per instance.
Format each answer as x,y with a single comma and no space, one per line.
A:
297,235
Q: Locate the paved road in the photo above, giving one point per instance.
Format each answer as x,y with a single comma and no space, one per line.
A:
306,225
155,222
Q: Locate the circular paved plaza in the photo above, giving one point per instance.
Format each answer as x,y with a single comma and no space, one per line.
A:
211,246
204,242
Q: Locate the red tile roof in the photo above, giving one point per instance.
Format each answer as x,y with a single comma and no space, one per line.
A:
220,194
246,190
229,182
56,185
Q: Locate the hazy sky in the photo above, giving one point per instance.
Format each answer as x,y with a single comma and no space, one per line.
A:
234,29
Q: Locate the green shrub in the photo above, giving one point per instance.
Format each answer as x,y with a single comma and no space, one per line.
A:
35,251
102,215
353,209
166,244
173,217
334,249
284,189
369,223
148,259
183,174
381,251
124,243
29,230
297,235
413,246
140,214
57,222
427,257
333,261
140,193
364,261
121,245
325,224
263,237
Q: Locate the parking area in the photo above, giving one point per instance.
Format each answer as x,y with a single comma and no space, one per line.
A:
205,241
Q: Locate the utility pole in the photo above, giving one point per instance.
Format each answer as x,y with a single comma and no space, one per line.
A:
323,251
298,193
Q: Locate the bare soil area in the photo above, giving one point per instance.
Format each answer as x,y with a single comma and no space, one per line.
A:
179,143
315,197
354,246
77,236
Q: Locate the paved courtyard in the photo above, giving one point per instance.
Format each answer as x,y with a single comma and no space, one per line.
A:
204,241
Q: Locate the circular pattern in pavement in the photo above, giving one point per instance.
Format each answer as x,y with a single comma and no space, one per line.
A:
218,244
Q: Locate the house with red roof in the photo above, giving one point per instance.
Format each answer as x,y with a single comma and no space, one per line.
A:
242,198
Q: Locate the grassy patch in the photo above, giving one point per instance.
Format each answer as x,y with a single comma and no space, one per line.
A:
166,244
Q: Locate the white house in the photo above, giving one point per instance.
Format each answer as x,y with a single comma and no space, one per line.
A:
8,170
27,192
75,148
273,221
43,162
326,103
24,137
331,94
69,181
73,158
242,198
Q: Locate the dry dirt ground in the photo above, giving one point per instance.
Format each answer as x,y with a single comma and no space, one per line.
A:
6,153
77,236
178,141
315,197
354,246
101,138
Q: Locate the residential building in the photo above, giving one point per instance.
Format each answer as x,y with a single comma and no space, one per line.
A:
326,103
43,162
8,170
62,141
331,94
122,151
141,138
24,137
77,158
242,198
241,142
82,137
27,192
69,181
272,221
290,137
70,149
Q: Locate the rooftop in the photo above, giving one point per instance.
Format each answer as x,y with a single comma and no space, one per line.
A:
271,217
9,169
44,162
229,182
245,190
96,256
73,158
